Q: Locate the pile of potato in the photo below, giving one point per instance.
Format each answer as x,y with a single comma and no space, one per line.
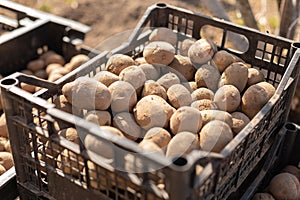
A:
50,66
170,101
285,185
6,159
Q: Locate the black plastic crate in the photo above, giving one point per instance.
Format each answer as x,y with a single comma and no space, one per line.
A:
46,35
43,32
30,33
14,17
223,173
8,185
287,153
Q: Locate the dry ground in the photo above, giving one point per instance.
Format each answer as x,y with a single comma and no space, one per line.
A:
110,17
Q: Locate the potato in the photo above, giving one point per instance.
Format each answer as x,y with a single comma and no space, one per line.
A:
164,69
54,58
192,86
54,77
1,105
153,111
62,103
53,149
215,135
179,96
159,53
168,80
227,98
68,163
28,88
96,181
3,141
222,59
184,66
70,134
3,126
6,160
210,115
263,196
126,123
292,170
87,93
255,97
2,170
150,147
53,66
187,86
62,71
41,74
201,52
185,45
46,54
37,89
140,61
285,186
101,118
182,144
202,93
7,146
135,76
239,120
152,72
153,88
36,65
186,119
163,34
161,137
106,77
254,76
207,76
116,63
123,96
77,60
235,74
99,181
102,147
27,72
204,104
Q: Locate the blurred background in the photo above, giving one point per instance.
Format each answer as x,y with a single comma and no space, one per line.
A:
118,17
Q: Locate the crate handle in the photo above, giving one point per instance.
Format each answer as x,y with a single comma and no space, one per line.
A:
18,77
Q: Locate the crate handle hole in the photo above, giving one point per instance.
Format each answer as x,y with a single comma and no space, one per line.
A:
180,161
290,127
296,44
9,81
161,5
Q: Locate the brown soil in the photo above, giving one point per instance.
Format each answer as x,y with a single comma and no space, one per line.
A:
106,17
110,17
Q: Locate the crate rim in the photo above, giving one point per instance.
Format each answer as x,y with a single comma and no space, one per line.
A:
162,5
